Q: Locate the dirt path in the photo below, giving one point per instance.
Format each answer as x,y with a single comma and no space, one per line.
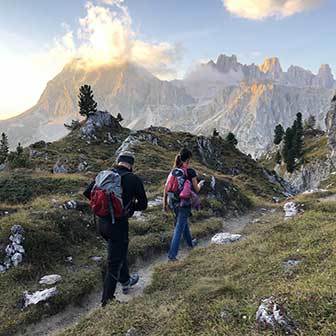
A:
72,314
330,198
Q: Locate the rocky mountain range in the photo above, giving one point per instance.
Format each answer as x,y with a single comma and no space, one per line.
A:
248,100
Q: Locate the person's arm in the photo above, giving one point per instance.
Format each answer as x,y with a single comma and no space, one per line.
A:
197,186
141,201
87,192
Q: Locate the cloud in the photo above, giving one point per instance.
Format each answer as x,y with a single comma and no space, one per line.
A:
261,9
104,36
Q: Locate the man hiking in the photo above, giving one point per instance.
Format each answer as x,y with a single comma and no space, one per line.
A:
180,195
113,219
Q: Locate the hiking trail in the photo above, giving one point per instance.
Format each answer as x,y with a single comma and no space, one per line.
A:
72,314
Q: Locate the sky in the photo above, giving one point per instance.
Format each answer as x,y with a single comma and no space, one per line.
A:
38,37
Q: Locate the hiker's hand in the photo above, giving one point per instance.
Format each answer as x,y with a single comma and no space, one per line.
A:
201,184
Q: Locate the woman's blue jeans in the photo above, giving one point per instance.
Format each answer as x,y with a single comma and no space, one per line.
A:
181,228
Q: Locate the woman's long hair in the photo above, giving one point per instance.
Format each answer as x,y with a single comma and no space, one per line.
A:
184,155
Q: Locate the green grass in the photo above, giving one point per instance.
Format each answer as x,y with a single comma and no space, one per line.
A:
52,233
187,298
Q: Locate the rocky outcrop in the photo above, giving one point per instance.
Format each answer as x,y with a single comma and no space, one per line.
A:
310,176
331,127
95,122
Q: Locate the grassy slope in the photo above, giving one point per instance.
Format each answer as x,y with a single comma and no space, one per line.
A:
187,298
52,234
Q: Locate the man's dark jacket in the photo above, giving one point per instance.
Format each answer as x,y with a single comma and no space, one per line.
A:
134,199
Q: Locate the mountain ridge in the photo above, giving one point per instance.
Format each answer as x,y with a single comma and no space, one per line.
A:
218,94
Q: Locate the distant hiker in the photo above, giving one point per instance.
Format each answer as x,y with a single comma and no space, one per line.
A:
114,196
180,195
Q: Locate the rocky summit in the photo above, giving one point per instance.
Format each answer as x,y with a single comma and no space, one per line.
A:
248,100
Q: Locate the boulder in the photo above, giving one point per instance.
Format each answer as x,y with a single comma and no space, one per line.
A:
97,121
290,209
38,296
60,167
225,238
14,250
50,279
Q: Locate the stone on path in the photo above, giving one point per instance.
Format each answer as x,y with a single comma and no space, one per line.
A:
225,238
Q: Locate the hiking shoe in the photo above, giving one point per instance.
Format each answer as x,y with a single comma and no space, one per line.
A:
194,242
132,281
172,260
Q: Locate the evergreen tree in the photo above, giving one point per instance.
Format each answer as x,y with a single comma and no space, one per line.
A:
291,161
310,123
19,150
19,158
298,137
288,152
231,139
4,148
278,158
278,134
215,133
119,118
86,103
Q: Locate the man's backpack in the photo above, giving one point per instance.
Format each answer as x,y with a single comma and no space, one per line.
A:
106,195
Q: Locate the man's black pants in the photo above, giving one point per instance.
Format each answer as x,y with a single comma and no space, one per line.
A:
117,265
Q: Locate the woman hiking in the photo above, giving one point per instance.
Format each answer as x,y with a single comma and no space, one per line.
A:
180,192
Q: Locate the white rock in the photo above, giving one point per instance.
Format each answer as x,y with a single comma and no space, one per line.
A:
39,296
17,259
156,202
292,263
50,279
138,215
290,209
272,315
96,258
225,238
2,269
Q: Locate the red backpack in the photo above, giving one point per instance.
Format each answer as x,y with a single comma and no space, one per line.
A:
106,195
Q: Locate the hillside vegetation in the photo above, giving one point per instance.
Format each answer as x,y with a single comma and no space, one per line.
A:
217,290
33,197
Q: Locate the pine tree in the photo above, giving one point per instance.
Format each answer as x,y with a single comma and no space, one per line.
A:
291,161
231,139
19,150
119,118
288,151
298,137
86,103
278,158
278,134
4,148
19,158
215,133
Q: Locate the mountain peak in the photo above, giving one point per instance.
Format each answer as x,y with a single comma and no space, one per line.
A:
226,63
272,66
